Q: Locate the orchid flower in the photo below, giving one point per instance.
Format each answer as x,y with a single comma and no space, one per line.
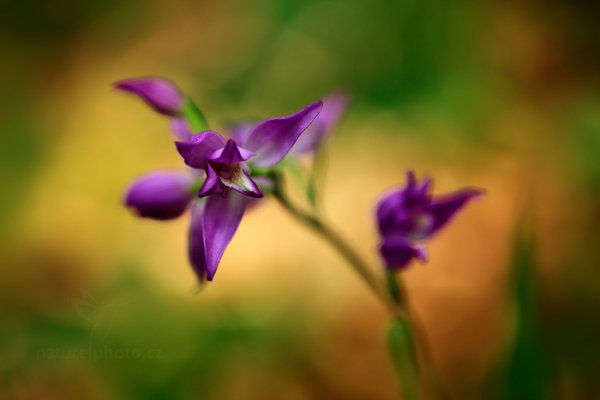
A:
229,186
409,216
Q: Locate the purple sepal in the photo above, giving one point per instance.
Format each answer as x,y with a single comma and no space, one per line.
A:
444,207
160,195
213,225
273,138
160,94
334,107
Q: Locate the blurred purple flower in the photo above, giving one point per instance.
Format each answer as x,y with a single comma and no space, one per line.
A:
160,94
229,188
408,216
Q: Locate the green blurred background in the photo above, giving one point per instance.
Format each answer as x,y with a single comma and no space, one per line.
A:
96,304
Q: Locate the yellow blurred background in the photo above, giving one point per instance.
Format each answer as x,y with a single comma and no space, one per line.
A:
97,304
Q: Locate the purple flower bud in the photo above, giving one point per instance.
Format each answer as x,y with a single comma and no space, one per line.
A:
160,195
160,94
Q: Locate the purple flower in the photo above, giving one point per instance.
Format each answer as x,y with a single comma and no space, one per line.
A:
228,188
407,217
160,94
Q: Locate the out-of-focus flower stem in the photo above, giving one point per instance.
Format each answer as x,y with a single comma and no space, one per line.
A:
401,341
333,238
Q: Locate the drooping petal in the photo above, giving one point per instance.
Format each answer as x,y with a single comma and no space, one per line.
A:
444,208
212,184
195,151
160,94
273,138
181,129
334,107
160,195
397,253
196,250
213,226
231,153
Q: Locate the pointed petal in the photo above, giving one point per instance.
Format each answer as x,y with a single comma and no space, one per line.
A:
213,227
397,253
195,150
212,184
160,94
181,129
196,251
231,153
273,138
160,195
334,107
444,208
237,179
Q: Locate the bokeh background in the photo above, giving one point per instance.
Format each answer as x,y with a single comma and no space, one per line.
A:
97,304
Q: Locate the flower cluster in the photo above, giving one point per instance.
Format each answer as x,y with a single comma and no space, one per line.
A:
221,168
229,173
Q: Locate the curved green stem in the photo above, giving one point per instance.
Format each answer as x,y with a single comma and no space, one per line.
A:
332,237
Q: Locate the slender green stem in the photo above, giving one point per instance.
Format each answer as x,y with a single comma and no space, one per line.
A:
333,238
401,340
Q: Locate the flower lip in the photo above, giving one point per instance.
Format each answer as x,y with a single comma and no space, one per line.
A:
160,94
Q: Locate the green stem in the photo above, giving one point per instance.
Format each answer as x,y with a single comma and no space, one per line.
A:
402,350
401,343
333,238
194,116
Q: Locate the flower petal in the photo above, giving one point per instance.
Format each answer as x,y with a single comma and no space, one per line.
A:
273,138
195,151
212,184
444,208
160,94
397,253
212,228
231,153
334,107
160,195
